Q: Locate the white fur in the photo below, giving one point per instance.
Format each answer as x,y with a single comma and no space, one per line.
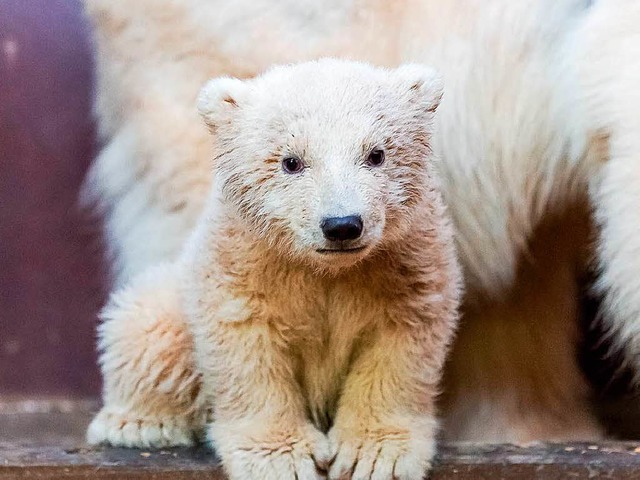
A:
609,65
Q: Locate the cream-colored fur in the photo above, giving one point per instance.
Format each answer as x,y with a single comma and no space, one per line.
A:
540,111
282,333
609,69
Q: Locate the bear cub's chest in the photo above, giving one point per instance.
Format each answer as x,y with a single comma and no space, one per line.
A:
338,326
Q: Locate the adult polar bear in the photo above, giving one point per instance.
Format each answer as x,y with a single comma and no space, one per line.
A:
538,115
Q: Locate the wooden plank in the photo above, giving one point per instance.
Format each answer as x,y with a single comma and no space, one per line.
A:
43,439
611,460
614,460
45,421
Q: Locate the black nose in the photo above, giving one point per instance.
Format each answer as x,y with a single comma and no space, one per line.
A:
342,228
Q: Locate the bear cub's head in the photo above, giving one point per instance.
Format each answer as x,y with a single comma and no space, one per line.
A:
326,161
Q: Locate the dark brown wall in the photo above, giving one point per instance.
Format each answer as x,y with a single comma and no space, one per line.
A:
50,258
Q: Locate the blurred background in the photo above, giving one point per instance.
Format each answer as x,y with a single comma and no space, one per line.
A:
52,278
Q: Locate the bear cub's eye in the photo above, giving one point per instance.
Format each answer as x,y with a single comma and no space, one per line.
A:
376,158
292,165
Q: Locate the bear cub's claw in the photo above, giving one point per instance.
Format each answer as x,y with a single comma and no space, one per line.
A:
381,454
122,430
278,454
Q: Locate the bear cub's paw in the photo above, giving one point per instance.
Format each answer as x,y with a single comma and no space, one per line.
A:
380,453
281,452
128,430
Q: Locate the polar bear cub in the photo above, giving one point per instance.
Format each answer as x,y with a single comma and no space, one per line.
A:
305,326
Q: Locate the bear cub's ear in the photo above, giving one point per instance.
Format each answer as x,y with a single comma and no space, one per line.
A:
422,83
219,98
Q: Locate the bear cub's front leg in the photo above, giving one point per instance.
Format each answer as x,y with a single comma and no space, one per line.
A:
386,424
260,427
152,393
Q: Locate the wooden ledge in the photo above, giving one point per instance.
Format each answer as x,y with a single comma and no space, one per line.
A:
43,439
615,460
